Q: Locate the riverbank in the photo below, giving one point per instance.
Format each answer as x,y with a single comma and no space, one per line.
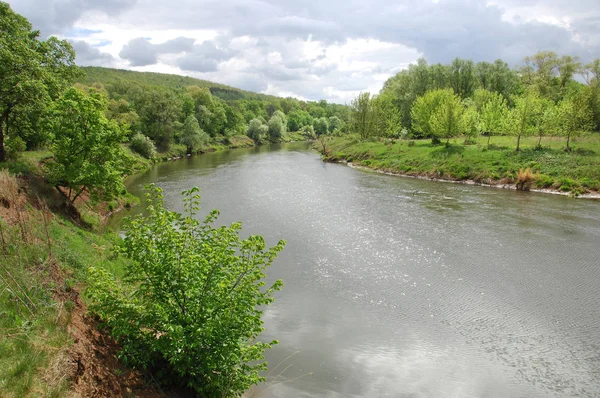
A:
46,248
140,164
553,170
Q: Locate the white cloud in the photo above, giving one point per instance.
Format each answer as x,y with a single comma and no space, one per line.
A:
328,49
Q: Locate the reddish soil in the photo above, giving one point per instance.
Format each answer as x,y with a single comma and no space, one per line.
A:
91,363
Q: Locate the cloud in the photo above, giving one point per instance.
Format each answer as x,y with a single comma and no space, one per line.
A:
54,16
316,49
141,52
86,54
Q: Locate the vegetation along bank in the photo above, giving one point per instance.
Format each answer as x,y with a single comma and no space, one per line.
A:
86,312
533,127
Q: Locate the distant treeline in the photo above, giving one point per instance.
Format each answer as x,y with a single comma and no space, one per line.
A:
160,106
546,95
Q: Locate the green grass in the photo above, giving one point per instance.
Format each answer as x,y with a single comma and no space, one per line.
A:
576,171
35,278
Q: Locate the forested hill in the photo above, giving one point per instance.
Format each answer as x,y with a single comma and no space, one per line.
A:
96,74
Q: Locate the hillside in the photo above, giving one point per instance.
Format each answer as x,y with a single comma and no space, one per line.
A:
106,76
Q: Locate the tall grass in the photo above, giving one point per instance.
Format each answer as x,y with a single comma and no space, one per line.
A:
41,256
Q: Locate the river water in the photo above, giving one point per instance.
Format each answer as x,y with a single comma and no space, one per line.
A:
397,287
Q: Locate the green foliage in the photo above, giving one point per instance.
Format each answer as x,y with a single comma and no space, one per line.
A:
32,73
554,168
298,119
574,117
308,132
523,118
321,125
447,120
193,136
256,130
191,300
86,146
424,109
160,109
493,115
276,126
362,115
143,145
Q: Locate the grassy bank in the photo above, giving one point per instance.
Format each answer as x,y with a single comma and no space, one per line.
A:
49,346
576,172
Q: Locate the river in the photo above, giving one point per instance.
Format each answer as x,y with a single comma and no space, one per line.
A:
397,287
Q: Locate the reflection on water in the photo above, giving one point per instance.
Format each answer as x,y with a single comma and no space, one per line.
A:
407,288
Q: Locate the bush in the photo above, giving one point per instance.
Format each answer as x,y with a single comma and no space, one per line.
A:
525,178
143,145
191,301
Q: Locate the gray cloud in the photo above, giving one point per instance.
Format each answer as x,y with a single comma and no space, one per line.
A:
91,56
54,16
439,30
140,52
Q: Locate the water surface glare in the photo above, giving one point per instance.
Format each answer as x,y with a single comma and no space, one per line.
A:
396,287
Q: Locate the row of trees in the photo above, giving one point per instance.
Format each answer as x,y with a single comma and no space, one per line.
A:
165,114
443,101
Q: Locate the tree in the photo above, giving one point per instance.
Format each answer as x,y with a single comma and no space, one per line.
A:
575,117
193,136
462,77
335,124
539,71
159,113
447,120
523,117
387,117
321,125
362,115
423,110
298,119
493,116
256,130
471,124
32,71
191,299
567,67
591,74
276,127
548,122
86,146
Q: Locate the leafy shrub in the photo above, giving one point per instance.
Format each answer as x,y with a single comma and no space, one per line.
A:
14,146
190,302
143,145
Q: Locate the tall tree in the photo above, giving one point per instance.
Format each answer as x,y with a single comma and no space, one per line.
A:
32,71
362,115
523,117
493,116
193,136
575,117
276,126
447,120
567,67
86,147
423,110
462,77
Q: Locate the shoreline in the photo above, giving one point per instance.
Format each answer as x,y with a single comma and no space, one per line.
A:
588,195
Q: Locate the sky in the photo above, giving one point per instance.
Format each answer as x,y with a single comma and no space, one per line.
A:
317,49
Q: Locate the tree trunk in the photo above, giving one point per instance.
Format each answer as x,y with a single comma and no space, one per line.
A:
540,141
3,122
2,150
489,136
568,139
518,142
